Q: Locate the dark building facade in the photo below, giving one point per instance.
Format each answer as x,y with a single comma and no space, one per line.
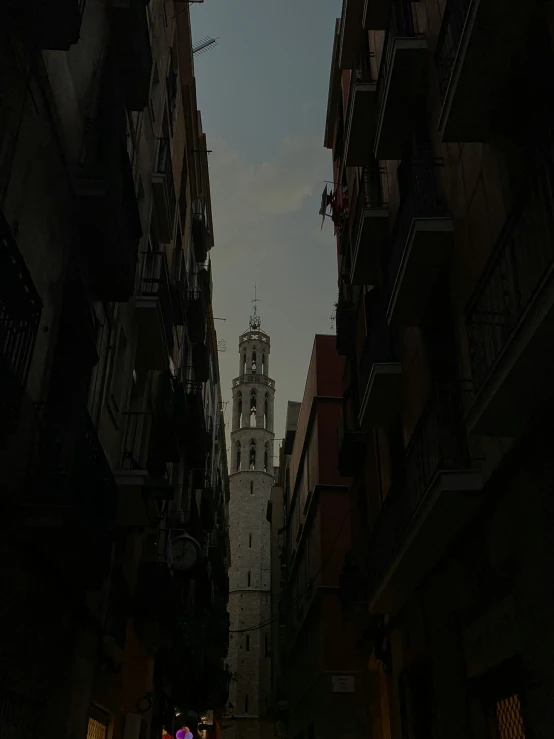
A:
319,684
442,209
113,469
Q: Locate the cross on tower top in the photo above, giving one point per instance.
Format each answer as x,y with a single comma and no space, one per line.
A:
255,320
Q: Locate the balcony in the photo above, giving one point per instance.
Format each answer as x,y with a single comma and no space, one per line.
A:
163,187
352,448
422,514
139,493
154,313
132,48
200,231
422,242
180,289
401,81
201,362
50,24
198,304
361,113
346,327
164,445
476,41
72,492
107,213
380,373
351,32
370,229
193,425
376,14
510,317
20,311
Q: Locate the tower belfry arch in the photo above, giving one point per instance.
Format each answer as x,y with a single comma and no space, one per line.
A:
251,480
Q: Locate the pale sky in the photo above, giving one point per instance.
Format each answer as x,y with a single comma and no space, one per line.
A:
262,93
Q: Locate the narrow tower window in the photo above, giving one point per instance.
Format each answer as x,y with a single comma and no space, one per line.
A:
253,405
248,579
239,407
252,457
250,542
266,457
237,462
244,363
266,410
263,363
254,361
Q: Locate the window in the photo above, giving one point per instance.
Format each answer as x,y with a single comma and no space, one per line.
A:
252,455
254,361
263,363
238,456
250,542
239,408
253,408
266,457
244,363
247,647
266,410
248,578
245,704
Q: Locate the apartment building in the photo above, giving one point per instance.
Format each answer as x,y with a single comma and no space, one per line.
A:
319,685
113,469
440,124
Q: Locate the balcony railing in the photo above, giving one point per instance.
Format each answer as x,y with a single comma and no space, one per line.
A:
155,283
136,440
420,198
448,42
200,230
437,444
164,191
401,25
378,346
401,79
180,289
522,260
132,47
20,311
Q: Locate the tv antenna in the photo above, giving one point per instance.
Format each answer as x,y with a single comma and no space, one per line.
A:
204,45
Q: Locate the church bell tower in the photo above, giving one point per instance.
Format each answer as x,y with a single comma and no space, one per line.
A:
251,480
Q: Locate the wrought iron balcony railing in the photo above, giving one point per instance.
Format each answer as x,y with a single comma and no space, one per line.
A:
155,283
136,440
402,24
448,42
378,347
438,443
420,197
522,260
20,311
164,166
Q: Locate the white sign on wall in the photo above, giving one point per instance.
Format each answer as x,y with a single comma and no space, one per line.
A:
343,684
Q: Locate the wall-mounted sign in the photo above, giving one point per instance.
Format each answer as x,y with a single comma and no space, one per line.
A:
343,684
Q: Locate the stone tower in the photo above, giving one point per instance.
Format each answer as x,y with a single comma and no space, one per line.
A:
251,480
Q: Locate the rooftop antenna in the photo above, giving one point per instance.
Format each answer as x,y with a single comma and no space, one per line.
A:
255,321
204,45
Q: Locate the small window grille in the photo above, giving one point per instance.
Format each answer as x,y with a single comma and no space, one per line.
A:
509,719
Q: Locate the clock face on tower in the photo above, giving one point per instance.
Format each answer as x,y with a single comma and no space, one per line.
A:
185,551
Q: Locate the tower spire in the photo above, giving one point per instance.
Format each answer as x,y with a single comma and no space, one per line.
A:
255,322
